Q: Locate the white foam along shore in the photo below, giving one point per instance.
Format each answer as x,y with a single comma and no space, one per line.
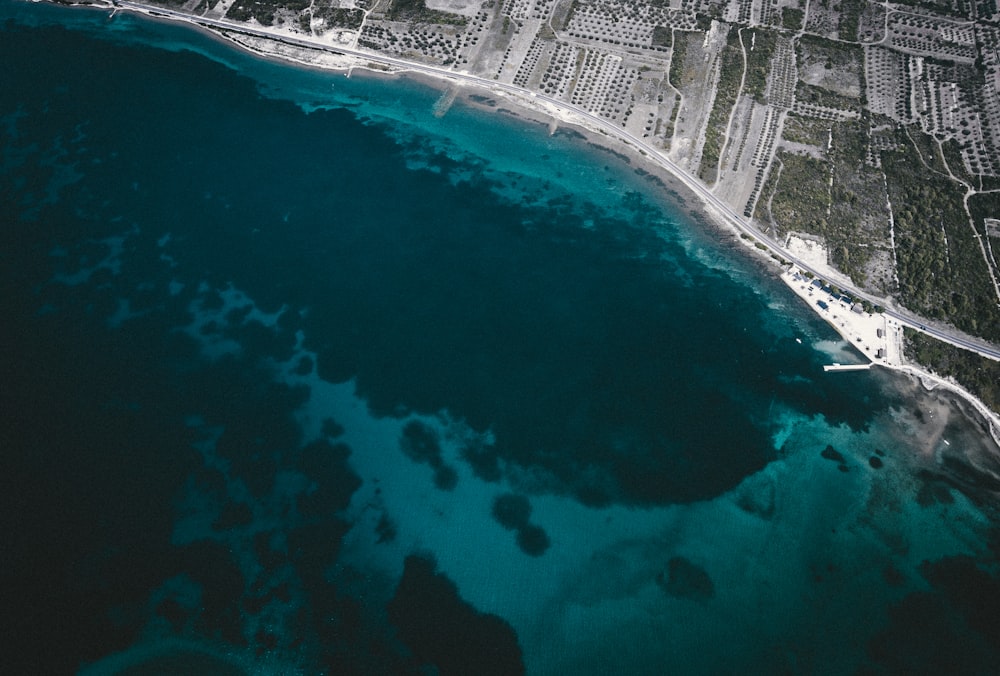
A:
876,336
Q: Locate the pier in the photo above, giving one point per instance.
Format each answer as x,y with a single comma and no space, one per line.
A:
847,367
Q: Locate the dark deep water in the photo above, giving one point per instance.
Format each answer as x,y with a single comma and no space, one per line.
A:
297,376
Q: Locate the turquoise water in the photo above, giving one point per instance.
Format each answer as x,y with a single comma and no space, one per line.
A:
299,376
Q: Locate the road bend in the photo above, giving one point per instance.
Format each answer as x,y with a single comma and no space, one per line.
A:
606,126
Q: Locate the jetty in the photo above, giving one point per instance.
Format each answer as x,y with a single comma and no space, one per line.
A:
847,367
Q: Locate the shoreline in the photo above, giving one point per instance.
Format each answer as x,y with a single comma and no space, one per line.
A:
272,44
879,339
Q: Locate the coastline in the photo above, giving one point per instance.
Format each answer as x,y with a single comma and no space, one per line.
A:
678,184
398,365
273,44
879,339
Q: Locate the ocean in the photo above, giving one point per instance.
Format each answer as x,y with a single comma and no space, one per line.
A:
301,375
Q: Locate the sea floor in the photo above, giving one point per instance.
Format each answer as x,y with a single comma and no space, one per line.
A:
300,377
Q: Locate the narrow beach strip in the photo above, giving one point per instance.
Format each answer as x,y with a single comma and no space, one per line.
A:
878,336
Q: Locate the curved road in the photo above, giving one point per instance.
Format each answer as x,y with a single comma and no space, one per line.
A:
907,319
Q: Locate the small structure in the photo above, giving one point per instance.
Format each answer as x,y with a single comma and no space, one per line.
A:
846,367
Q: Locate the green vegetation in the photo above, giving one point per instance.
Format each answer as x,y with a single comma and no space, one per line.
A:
333,17
263,10
758,61
983,206
953,156
979,375
341,18
730,70
942,7
663,36
680,42
843,71
835,53
704,21
801,193
569,14
761,212
791,18
823,97
940,264
850,16
807,130
840,199
416,11
668,132
927,149
858,223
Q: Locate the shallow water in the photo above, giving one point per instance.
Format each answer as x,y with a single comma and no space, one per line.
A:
300,376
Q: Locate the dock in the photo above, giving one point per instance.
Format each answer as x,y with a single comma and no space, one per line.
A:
847,367
877,337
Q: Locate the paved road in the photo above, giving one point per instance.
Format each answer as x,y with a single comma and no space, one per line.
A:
904,318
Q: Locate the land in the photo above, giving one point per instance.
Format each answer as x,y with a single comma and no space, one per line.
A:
871,129
885,343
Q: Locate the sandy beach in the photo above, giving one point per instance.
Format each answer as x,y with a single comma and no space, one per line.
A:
876,337
411,347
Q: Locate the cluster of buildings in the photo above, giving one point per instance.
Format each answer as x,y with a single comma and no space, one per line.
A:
724,88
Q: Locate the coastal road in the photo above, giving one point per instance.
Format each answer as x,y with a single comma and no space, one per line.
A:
741,223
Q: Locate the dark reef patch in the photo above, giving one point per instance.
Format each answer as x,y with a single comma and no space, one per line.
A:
934,489
334,481
685,580
174,661
542,322
385,529
420,444
893,576
533,540
972,591
444,632
483,459
156,469
221,583
831,453
485,100
971,480
234,514
332,429
445,477
623,158
513,512
757,496
305,366
953,628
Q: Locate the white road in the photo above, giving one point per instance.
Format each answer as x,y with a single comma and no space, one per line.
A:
905,318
